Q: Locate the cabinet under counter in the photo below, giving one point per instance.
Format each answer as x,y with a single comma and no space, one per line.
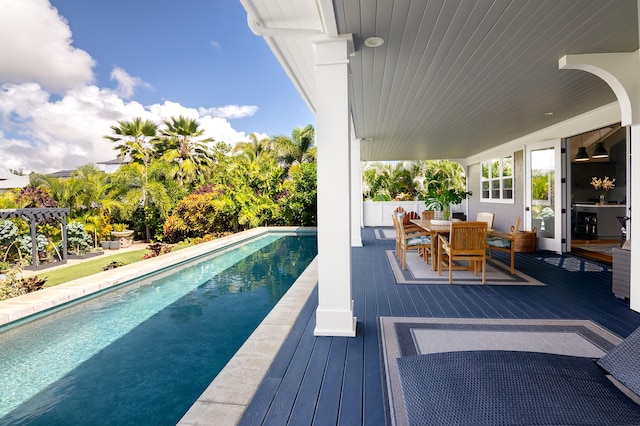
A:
597,221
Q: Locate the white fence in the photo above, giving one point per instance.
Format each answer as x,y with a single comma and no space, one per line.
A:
378,213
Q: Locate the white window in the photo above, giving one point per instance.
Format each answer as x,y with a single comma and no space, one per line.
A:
496,181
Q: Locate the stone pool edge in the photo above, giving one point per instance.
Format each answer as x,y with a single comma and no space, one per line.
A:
226,399
21,307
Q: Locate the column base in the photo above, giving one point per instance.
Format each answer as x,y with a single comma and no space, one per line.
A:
335,323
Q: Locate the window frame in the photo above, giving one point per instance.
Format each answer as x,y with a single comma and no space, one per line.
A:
494,188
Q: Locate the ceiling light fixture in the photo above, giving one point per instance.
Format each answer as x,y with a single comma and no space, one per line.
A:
582,154
374,42
600,151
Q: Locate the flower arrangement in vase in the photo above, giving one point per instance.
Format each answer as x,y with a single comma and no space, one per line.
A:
602,185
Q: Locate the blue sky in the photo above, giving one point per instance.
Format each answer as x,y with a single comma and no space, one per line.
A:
75,67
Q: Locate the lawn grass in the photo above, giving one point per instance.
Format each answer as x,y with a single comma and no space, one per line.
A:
90,267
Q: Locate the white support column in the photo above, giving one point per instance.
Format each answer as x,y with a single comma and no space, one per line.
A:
356,194
633,179
334,316
621,71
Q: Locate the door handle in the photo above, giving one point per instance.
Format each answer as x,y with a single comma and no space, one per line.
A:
526,208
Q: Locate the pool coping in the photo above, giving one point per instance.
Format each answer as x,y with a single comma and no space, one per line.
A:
17,308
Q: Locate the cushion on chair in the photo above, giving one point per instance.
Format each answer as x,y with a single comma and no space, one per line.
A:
498,242
623,362
418,241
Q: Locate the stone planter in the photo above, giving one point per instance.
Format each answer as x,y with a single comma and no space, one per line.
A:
125,238
114,245
105,245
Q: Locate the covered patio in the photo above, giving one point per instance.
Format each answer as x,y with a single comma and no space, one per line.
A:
481,83
333,380
475,82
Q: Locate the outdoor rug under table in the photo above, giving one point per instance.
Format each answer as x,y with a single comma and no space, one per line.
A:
510,388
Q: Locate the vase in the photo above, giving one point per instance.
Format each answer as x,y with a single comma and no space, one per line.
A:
601,199
446,212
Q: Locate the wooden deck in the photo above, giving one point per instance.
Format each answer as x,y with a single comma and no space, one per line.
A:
337,380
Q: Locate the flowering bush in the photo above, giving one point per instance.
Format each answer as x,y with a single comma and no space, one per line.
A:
603,184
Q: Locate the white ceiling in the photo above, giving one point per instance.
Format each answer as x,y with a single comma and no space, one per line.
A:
454,77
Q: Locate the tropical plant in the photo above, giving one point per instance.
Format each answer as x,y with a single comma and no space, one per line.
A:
65,191
182,144
138,186
78,240
298,202
13,284
32,196
297,149
135,139
442,183
254,148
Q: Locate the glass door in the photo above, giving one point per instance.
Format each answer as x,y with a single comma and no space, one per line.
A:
543,202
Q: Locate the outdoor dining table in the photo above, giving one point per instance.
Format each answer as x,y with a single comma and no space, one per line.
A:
434,230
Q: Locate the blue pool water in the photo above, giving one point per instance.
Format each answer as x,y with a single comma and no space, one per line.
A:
143,353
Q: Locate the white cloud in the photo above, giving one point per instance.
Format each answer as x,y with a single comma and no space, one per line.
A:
230,111
126,83
44,133
36,47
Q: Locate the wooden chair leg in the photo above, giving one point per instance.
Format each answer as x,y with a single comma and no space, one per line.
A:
512,262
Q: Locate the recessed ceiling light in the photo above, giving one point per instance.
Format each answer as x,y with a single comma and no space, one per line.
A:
374,42
548,114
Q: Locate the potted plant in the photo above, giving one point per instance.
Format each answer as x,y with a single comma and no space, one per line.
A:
441,199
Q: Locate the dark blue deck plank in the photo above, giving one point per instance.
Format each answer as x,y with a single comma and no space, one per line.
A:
351,403
329,398
337,380
307,399
285,398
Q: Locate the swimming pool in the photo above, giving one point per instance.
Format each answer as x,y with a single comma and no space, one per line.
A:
143,353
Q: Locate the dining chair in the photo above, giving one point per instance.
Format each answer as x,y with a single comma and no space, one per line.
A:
412,239
428,214
486,217
467,241
406,219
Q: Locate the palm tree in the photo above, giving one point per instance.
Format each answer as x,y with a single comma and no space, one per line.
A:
96,196
63,190
180,145
297,149
136,139
141,186
254,148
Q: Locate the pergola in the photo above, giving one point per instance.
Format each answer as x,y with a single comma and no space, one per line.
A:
34,217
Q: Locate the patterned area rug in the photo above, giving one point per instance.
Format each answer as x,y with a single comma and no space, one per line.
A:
573,264
403,337
418,272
